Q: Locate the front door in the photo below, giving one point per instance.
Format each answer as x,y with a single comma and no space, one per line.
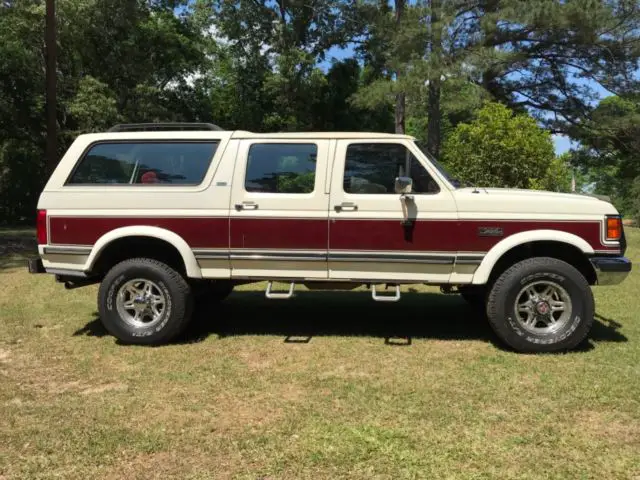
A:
378,234
278,214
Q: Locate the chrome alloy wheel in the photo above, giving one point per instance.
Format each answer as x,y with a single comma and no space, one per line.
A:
140,303
543,307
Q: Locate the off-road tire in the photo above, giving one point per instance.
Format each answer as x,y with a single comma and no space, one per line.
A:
501,305
178,308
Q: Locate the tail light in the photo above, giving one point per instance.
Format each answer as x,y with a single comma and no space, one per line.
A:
614,227
41,227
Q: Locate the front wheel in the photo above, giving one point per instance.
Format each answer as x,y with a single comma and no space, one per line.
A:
541,305
144,301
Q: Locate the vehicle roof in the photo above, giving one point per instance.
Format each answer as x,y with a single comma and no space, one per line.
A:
240,134
327,135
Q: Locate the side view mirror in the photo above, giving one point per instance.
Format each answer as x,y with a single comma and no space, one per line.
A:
403,184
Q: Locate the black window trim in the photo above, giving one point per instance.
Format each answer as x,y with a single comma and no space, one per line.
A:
387,142
315,143
67,184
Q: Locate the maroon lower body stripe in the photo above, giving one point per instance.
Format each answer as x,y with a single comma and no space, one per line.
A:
321,234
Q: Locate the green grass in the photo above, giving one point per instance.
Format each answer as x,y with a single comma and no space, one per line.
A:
418,389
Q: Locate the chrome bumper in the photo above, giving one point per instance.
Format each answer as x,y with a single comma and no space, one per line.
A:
611,270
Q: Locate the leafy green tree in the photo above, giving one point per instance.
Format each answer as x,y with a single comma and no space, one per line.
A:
548,56
93,107
420,67
634,200
426,58
501,149
557,178
610,149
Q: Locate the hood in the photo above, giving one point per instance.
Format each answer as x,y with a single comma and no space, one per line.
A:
516,200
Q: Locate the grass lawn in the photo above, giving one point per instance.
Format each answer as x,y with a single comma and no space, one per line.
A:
418,389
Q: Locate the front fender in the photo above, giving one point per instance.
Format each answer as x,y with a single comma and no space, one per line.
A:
191,265
482,273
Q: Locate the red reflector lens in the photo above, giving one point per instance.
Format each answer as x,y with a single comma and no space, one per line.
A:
41,227
614,228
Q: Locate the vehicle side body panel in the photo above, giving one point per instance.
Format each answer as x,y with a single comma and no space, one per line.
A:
82,215
372,235
276,235
222,230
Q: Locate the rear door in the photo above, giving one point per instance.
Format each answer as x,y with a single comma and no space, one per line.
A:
279,209
376,234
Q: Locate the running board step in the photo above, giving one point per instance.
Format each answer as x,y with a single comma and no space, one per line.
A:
279,295
385,298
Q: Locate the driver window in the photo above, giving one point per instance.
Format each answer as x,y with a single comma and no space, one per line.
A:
373,168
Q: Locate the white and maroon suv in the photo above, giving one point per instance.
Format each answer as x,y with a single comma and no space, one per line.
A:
157,212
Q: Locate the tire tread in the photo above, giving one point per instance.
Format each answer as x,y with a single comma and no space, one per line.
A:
182,314
537,263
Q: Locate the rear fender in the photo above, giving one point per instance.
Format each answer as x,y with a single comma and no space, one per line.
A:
191,265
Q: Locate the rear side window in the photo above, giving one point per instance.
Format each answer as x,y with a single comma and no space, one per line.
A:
281,168
145,163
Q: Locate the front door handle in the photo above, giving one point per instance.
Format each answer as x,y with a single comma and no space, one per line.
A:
346,206
247,206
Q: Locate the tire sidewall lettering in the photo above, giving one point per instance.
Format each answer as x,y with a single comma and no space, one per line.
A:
557,337
111,293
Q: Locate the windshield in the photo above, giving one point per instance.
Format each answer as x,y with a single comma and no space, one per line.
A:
441,168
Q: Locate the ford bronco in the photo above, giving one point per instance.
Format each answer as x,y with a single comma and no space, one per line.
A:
159,214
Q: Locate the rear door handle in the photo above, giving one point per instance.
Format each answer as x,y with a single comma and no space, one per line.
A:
346,206
247,206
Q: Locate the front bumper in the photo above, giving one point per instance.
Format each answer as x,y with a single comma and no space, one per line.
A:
611,270
34,265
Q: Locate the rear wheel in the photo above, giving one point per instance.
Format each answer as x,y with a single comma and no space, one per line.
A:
541,305
144,301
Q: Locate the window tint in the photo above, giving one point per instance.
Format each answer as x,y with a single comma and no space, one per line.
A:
281,168
373,168
160,163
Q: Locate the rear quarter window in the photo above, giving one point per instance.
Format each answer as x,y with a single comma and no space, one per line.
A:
144,163
281,168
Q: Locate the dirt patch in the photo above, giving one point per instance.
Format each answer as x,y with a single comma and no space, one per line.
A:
153,465
233,413
344,372
5,356
109,387
255,361
602,425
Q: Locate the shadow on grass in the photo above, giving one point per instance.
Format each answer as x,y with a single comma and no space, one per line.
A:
350,314
16,246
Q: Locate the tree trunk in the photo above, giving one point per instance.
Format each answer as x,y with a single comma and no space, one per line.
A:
50,47
434,132
400,104
433,110
489,31
400,96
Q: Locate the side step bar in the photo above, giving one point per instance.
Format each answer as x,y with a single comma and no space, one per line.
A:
279,295
385,298
285,295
